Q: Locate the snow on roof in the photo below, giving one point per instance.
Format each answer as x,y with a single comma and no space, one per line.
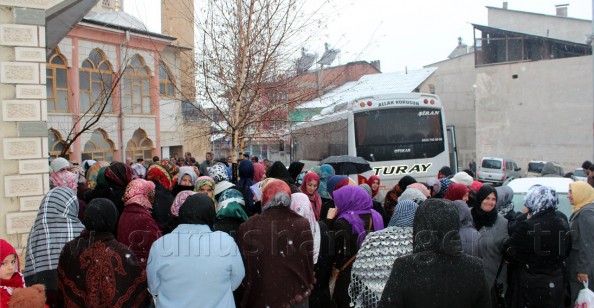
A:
398,82
119,18
216,137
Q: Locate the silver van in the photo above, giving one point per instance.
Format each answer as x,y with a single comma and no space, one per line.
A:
497,170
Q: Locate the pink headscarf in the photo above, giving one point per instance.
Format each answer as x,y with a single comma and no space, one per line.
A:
64,178
140,192
421,187
314,199
179,200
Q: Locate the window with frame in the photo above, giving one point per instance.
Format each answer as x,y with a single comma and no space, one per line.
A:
136,94
140,146
57,83
96,79
99,147
166,82
55,144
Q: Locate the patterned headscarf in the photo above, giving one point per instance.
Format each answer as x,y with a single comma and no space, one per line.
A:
140,192
404,214
231,204
301,205
413,194
324,172
205,180
445,184
314,199
158,173
275,193
118,174
170,167
93,171
179,200
540,198
64,178
218,173
139,171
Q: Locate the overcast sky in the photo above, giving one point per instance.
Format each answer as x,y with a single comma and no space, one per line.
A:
398,33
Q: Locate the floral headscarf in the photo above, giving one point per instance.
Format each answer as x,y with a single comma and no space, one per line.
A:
179,200
158,173
93,171
64,178
205,180
218,173
324,172
170,167
275,193
231,204
301,205
314,199
140,192
540,198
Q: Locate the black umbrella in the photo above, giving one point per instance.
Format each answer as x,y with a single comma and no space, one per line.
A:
345,164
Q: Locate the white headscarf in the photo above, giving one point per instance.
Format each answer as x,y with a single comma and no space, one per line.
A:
301,205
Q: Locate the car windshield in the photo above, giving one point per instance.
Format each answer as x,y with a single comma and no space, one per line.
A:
579,172
491,164
564,205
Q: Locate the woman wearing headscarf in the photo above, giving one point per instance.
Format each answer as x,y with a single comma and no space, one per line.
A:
181,274
413,194
163,197
295,169
355,218
374,182
246,180
230,212
392,196
101,190
437,264
536,252
309,187
93,171
95,269
377,206
320,295
580,267
205,184
324,172
505,203
373,264
279,171
118,175
56,224
185,181
468,234
457,191
137,229
279,269
494,233
64,176
138,171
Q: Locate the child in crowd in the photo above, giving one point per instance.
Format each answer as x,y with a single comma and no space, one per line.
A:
10,275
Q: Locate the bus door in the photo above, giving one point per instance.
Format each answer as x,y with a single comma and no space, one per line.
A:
453,150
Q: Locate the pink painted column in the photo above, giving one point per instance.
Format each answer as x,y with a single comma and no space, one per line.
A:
117,106
155,105
74,104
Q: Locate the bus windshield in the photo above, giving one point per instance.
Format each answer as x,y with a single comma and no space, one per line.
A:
399,133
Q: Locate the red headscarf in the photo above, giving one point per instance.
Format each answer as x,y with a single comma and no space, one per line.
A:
159,174
315,199
456,191
16,281
277,191
370,181
140,192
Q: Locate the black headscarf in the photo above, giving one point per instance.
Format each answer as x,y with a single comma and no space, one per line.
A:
295,168
405,181
279,171
436,226
101,215
480,217
198,209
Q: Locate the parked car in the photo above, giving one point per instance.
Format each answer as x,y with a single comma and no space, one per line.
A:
580,175
497,170
560,184
534,168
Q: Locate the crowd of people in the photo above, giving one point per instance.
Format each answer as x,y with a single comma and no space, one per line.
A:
178,233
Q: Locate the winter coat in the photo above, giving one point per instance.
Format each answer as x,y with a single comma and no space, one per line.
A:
468,234
138,230
278,271
326,205
377,206
536,275
580,259
491,248
183,278
320,295
438,273
162,208
229,225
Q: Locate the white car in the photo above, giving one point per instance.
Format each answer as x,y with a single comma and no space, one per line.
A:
580,175
560,184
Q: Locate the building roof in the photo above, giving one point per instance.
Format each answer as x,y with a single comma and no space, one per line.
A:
122,21
493,30
399,82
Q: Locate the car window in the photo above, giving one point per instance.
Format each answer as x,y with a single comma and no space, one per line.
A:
491,164
564,205
580,172
535,167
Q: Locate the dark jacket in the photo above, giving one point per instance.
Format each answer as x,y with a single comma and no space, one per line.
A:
162,208
377,206
138,230
468,234
320,295
246,175
326,205
228,225
437,274
535,252
582,249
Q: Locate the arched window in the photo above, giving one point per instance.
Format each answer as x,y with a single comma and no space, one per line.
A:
99,147
57,83
140,146
96,79
136,94
166,83
55,143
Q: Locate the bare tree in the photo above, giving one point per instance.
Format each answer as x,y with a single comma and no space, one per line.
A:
245,52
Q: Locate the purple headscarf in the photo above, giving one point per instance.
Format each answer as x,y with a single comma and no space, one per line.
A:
353,201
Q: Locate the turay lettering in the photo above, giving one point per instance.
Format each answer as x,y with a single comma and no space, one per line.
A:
402,169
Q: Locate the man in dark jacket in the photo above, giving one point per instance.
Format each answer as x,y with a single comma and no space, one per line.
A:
437,274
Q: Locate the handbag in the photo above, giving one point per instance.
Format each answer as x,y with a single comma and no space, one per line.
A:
336,271
497,296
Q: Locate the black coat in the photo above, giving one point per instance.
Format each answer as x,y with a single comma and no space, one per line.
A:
326,205
162,208
320,295
536,251
228,225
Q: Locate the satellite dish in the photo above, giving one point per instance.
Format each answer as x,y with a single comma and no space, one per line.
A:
329,55
306,61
